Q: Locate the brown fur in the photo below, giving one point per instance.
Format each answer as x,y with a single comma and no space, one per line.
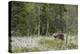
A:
59,36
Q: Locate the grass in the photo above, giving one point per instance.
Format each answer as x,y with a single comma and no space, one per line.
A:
53,44
73,46
57,44
16,50
45,43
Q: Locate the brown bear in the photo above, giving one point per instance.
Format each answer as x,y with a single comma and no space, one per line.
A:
59,35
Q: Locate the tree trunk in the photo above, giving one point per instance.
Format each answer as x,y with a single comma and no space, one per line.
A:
39,21
47,33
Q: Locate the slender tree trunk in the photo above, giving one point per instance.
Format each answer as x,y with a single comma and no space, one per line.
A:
28,30
39,22
67,34
47,33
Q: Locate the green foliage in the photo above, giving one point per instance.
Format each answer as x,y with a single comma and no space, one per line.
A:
42,19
